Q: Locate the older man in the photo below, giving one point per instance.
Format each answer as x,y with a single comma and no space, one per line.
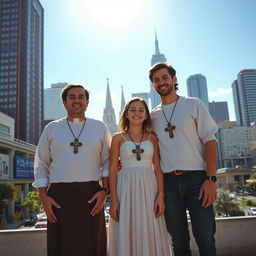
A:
71,157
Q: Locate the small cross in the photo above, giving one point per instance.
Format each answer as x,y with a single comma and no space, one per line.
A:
169,129
76,143
138,151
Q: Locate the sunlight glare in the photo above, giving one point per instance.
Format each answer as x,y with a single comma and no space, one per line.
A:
112,13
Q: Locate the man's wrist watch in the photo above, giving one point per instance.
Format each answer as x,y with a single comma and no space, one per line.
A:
211,178
105,189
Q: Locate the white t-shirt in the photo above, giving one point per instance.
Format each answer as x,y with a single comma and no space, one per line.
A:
55,160
194,127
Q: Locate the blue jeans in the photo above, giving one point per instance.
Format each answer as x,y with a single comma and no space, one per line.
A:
181,193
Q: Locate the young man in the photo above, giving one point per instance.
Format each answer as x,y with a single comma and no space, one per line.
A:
186,134
71,157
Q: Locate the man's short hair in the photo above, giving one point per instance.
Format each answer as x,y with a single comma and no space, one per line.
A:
64,92
160,65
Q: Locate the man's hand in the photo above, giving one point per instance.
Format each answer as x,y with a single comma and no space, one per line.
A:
208,193
48,203
100,198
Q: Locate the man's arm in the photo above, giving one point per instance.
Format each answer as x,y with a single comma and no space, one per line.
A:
208,190
101,195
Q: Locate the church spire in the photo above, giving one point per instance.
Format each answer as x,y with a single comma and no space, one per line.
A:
157,51
109,116
108,105
122,101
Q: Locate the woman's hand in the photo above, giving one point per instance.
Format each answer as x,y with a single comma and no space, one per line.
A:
114,210
159,206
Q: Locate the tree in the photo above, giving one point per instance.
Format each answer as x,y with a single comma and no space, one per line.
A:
6,193
32,202
225,205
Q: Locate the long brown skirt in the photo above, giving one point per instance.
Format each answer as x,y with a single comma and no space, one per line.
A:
76,232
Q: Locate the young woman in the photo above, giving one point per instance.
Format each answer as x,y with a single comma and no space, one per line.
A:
137,226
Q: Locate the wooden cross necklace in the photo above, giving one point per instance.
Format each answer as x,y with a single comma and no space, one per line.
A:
76,143
137,149
170,127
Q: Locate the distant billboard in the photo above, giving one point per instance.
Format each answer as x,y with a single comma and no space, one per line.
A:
24,167
4,166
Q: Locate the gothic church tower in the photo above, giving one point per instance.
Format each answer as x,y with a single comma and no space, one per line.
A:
109,117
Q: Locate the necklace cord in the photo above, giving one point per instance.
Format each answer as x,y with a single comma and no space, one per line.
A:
172,111
133,140
72,130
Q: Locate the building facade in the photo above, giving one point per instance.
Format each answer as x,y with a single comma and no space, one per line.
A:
219,111
229,178
16,166
197,87
244,94
235,145
21,66
53,108
157,57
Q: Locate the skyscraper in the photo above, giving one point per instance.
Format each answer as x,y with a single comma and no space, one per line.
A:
244,94
122,102
219,111
109,117
53,108
157,57
21,66
144,95
197,87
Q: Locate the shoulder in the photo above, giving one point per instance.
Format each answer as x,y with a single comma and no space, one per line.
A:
190,100
153,138
96,123
118,136
155,111
55,124
92,121
117,140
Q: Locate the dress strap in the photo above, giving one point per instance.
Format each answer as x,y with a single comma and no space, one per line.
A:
149,136
123,136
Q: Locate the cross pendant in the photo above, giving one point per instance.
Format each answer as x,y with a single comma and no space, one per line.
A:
138,151
76,143
170,129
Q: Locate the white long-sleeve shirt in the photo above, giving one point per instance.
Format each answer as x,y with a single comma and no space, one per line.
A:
194,128
55,160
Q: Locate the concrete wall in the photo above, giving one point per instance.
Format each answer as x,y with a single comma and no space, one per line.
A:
23,242
235,236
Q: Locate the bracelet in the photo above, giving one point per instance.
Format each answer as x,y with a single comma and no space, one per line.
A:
105,190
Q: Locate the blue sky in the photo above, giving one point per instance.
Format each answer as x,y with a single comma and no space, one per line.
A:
87,41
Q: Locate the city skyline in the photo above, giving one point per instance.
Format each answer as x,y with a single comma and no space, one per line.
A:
82,47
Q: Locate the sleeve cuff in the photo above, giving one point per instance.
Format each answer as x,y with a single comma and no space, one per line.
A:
105,173
42,182
209,139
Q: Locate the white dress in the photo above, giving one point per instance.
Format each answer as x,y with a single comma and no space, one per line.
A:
138,232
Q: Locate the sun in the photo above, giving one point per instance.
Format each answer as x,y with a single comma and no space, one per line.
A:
111,13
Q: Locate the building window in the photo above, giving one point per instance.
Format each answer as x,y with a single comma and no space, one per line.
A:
237,178
4,128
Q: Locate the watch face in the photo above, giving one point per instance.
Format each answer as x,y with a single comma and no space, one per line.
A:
213,178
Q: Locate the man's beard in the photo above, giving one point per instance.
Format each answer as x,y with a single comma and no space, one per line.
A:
167,91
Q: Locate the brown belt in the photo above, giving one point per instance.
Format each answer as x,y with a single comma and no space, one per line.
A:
179,172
